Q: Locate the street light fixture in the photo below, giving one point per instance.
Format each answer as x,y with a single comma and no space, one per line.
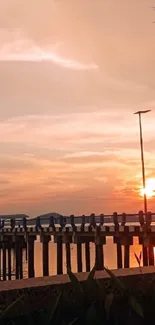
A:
139,113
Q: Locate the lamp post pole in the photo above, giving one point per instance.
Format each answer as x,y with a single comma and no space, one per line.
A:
139,113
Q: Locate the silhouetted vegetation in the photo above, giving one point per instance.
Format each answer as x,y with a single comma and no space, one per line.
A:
92,304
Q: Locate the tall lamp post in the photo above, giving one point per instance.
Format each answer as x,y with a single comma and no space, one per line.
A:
139,113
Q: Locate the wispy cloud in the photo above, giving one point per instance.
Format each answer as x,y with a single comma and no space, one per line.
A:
20,48
48,157
87,58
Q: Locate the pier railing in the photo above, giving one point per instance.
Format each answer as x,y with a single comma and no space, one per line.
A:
20,233
23,220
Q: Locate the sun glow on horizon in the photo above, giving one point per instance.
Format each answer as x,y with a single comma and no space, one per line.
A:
149,190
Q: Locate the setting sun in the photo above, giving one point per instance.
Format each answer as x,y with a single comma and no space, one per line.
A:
150,188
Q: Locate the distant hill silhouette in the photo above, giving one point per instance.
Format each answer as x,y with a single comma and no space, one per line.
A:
48,215
9,216
42,216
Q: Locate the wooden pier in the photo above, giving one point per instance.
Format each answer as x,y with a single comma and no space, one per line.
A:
19,234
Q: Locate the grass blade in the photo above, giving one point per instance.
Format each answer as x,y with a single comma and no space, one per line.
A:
54,308
119,284
140,256
72,277
108,303
91,314
91,274
8,308
137,258
74,280
73,322
136,306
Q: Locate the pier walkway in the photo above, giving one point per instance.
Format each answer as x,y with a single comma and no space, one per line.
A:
20,233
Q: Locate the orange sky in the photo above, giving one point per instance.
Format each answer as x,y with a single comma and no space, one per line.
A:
72,72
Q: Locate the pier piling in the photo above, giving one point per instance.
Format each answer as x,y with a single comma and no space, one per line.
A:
59,255
119,256
30,243
79,256
87,256
4,261
9,262
45,250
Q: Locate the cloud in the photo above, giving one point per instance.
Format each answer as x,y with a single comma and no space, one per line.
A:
88,58
47,157
76,136
21,49
85,154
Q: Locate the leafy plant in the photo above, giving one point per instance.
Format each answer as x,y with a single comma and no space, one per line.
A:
73,279
89,303
91,275
133,303
116,280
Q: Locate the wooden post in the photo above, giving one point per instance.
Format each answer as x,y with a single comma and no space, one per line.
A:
25,224
115,219
0,264
99,257
68,255
38,224
99,242
101,219
20,260
12,223
87,256
9,261
116,239
4,261
126,241
126,256
51,222
92,220
151,254
61,221
45,251
79,256
83,221
59,255
123,222
26,252
19,257
119,256
145,255
30,241
17,254
72,222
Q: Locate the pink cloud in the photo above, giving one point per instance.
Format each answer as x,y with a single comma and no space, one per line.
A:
68,136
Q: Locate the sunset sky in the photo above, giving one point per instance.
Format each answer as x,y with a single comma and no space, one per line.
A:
72,73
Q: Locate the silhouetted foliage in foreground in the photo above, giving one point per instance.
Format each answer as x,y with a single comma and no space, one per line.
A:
92,305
